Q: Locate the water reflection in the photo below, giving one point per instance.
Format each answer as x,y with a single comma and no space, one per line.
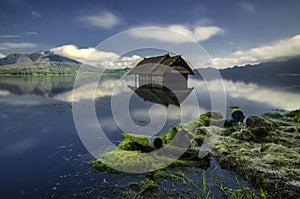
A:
161,94
251,95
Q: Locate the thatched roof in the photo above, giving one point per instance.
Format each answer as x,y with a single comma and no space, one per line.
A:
161,64
162,95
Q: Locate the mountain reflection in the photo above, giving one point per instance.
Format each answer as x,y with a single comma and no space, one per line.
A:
237,92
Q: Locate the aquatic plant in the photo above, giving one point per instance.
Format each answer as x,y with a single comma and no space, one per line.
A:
242,192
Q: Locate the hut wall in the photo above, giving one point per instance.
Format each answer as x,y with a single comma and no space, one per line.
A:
148,79
175,81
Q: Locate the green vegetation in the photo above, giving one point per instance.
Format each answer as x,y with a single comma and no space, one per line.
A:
243,192
264,152
132,142
284,116
58,68
49,69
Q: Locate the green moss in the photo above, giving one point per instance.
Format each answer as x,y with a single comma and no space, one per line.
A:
245,135
148,185
272,162
260,126
133,142
171,134
291,116
294,113
282,123
297,119
273,115
264,152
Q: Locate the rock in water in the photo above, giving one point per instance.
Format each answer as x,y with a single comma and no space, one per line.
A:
237,114
158,143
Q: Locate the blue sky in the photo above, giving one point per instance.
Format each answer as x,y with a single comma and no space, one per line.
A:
232,32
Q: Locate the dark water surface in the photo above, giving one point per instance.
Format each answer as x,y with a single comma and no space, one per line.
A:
42,155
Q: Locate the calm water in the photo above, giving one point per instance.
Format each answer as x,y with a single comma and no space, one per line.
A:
42,155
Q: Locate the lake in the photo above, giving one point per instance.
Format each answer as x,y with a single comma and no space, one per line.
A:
42,154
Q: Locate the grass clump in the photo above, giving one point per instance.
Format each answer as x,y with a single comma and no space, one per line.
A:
243,192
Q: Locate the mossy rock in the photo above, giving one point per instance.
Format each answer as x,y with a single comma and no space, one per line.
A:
289,117
133,161
133,142
297,119
211,118
273,166
294,113
260,126
170,135
215,115
229,123
290,129
245,135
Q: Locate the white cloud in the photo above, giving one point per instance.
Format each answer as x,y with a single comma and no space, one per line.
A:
246,6
104,20
95,57
12,46
174,33
91,54
283,48
35,14
1,55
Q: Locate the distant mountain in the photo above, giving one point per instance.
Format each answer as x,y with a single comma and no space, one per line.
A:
18,60
284,74
287,67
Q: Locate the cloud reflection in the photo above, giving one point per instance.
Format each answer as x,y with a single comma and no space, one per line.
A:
277,98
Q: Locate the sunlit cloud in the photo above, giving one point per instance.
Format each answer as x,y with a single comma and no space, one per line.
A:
283,48
178,33
104,20
91,54
94,57
12,46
